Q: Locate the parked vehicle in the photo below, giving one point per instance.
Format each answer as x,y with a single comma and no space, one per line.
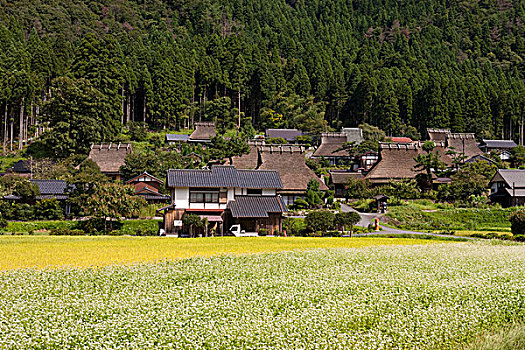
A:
237,231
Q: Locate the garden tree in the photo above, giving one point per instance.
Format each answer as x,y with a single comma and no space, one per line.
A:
405,189
77,116
320,220
357,188
314,196
518,156
48,209
345,220
139,162
372,133
112,201
219,111
82,184
458,158
471,180
193,221
517,222
19,186
428,163
222,148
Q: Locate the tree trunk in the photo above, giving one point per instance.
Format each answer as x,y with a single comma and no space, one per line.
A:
144,111
21,130
4,144
123,101
12,133
128,108
239,124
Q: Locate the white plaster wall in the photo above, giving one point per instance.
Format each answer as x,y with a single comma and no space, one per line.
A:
268,192
182,198
231,194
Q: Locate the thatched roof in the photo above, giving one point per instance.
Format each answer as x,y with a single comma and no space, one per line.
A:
287,134
353,135
204,131
341,177
110,156
247,161
464,143
332,145
396,161
289,161
438,134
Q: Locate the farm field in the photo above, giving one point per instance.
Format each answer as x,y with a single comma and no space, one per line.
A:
85,251
434,296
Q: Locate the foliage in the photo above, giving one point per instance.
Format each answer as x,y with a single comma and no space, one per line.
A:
358,188
471,180
517,222
222,148
428,163
320,220
193,221
294,226
112,201
137,132
404,189
314,196
345,220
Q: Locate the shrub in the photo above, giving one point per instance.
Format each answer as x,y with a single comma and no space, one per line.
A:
263,232
320,220
66,232
294,226
343,220
517,222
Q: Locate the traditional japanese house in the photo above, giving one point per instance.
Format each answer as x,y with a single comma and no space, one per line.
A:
110,157
339,180
507,187
461,143
502,147
397,161
287,134
288,161
148,187
332,148
203,133
224,196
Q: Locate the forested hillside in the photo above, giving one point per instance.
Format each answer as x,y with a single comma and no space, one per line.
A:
94,65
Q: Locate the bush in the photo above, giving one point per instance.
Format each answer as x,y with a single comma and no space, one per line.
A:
343,220
320,220
294,226
66,232
517,222
263,232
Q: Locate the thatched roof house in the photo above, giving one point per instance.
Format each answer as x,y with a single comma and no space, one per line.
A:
459,142
353,135
464,143
332,147
203,132
288,134
396,161
110,157
288,161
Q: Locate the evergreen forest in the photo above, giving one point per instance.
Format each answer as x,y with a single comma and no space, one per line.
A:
73,72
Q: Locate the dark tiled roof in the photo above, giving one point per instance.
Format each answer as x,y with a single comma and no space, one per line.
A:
177,137
480,158
498,144
512,176
110,156
204,131
256,206
51,187
223,176
287,134
53,196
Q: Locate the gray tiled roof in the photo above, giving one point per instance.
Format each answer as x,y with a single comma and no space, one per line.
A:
50,187
224,176
502,144
177,137
513,176
287,134
256,206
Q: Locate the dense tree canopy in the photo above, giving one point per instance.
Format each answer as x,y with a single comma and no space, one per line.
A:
274,63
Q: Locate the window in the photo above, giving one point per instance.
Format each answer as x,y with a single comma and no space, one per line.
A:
204,196
254,191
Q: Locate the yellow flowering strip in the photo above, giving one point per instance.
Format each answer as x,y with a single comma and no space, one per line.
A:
52,251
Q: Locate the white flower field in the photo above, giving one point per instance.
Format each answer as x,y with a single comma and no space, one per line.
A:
438,296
